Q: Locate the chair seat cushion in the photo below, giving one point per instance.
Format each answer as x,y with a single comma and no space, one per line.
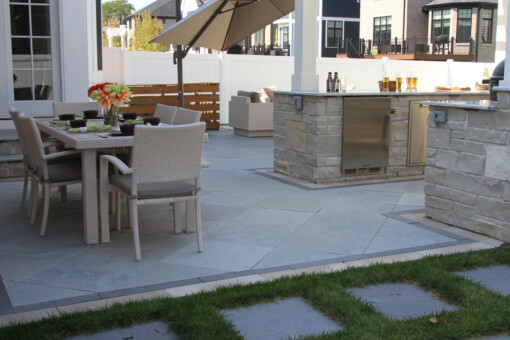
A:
66,171
153,190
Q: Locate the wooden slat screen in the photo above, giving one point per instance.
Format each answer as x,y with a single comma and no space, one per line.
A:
203,97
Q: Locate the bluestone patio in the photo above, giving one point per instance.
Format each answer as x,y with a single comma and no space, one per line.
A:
256,226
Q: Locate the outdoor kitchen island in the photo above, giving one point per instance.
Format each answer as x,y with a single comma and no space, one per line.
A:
326,138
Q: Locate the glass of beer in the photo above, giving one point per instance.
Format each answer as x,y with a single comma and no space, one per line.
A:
398,81
386,82
409,81
414,81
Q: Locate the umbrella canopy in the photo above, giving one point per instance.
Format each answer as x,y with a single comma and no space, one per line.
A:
220,24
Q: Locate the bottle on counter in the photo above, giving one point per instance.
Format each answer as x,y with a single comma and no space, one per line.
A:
328,82
336,81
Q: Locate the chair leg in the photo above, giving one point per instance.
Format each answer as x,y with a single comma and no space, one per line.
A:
136,235
116,196
25,185
198,216
63,193
46,207
130,220
177,218
34,188
190,216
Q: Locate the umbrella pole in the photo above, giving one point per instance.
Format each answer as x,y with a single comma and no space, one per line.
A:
178,16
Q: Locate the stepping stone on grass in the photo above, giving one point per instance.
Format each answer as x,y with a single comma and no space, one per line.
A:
496,337
288,318
400,301
496,278
148,331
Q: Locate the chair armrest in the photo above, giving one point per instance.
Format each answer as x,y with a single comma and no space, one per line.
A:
117,163
60,154
241,99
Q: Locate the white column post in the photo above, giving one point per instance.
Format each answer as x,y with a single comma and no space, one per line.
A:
506,81
449,77
305,76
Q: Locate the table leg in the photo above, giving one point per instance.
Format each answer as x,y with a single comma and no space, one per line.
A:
89,188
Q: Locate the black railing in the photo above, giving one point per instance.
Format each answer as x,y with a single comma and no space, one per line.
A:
357,48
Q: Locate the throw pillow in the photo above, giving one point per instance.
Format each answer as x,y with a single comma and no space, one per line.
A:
255,97
268,90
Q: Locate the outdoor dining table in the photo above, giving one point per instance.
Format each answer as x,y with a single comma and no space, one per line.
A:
89,143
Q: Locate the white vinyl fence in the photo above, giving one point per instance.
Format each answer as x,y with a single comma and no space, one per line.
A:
251,73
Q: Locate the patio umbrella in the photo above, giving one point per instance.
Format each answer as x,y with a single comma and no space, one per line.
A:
220,24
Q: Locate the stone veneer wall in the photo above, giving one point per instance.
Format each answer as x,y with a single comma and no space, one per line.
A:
468,171
308,143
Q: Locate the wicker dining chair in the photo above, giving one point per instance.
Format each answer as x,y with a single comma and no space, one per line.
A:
27,170
166,168
165,113
186,116
76,108
46,171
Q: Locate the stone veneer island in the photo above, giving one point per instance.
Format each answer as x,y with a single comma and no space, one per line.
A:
468,166
308,142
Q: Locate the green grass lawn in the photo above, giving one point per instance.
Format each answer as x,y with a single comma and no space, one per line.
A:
481,312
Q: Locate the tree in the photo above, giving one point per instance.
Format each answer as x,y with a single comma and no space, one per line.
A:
117,9
145,30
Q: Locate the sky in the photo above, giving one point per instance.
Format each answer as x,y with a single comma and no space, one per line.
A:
137,3
140,3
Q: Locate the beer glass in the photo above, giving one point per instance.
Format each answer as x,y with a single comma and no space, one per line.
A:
386,81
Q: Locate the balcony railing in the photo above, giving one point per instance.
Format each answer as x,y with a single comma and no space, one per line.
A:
358,48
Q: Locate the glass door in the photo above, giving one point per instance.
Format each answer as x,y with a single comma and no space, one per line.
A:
34,52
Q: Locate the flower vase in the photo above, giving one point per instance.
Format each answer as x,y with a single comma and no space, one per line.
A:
111,116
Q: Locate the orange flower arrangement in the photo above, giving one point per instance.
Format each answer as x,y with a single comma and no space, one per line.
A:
109,94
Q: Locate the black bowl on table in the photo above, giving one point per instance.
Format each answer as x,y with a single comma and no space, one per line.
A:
67,116
151,121
90,114
127,129
129,115
76,123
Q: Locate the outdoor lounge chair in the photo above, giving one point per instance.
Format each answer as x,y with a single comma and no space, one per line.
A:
46,170
166,168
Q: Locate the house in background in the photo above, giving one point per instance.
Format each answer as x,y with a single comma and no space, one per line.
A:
431,30
336,22
163,10
60,45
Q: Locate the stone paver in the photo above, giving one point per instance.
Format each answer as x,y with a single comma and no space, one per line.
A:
149,331
496,337
400,301
283,319
496,278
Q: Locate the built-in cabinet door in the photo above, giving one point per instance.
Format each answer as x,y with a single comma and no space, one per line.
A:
33,62
417,146
366,132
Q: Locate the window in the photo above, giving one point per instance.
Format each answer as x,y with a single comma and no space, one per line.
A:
382,30
259,37
463,25
31,50
334,33
486,27
283,35
441,23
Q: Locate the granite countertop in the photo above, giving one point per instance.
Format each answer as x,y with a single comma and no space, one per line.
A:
371,93
485,105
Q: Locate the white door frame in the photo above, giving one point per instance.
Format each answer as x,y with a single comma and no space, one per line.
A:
33,107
